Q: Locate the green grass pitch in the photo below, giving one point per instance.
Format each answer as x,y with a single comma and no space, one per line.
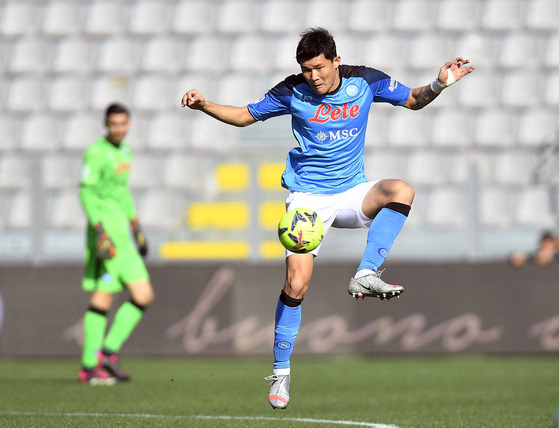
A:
379,392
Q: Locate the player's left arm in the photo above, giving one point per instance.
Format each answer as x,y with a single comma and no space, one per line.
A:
450,73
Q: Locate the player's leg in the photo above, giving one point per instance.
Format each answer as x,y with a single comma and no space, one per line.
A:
388,202
299,268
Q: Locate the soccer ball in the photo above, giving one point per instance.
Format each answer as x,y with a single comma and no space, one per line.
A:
300,230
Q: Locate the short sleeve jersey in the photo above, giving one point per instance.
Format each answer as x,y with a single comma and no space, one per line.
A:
330,129
104,175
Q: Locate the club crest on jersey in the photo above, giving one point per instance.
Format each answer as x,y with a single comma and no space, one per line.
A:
351,90
325,112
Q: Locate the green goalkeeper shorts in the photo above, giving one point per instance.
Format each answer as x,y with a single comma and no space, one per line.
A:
111,276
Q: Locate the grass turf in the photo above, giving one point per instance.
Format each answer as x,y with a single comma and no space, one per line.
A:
407,392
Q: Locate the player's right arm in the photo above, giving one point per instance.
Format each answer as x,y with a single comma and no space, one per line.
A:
237,116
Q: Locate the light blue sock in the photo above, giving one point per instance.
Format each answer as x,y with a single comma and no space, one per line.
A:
288,320
383,231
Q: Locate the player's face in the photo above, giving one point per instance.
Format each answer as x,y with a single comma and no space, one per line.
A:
117,124
322,74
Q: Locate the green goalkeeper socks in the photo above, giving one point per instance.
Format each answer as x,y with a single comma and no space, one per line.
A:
126,319
94,325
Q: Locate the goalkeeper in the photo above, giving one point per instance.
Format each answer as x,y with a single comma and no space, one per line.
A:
112,261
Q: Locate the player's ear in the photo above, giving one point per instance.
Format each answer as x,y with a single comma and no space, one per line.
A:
336,61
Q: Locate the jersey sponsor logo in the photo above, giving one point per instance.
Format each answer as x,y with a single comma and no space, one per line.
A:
336,135
325,112
122,167
351,90
393,85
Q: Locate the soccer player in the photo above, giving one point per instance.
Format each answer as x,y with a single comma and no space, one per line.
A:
329,105
112,260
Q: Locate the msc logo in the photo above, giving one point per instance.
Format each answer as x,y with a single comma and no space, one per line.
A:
336,135
325,112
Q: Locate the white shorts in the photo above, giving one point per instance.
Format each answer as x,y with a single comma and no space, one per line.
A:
340,210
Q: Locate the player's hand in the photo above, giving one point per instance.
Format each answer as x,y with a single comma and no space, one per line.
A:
454,70
194,100
105,247
140,237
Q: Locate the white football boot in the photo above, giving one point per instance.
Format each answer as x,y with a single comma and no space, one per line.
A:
279,391
371,285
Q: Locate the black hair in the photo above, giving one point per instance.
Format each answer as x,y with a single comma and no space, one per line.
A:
316,41
115,108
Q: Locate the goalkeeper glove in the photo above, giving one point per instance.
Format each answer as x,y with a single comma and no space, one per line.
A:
105,247
139,237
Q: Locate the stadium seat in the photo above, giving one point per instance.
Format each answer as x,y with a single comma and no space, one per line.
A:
368,16
502,15
72,55
40,132
30,55
82,129
551,93
146,171
533,207
117,55
269,175
64,209
161,209
251,52
15,171
62,18
20,18
413,15
20,211
150,17
291,12
452,128
238,16
495,128
521,89
68,93
408,129
426,168
351,48
241,88
26,94
480,48
105,17
551,57
448,206
210,215
537,126
378,126
429,51
206,133
542,14
232,177
384,163
206,83
153,92
204,11
458,15
162,54
59,172
107,89
9,131
189,172
168,132
379,52
515,167
496,206
207,53
480,91
270,213
283,60
521,50
330,14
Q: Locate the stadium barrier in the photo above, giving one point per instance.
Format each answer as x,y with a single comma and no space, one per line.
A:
228,310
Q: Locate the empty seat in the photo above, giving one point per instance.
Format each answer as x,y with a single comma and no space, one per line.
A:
207,53
161,209
495,128
30,55
386,52
284,54
537,126
551,57
251,52
150,17
206,133
146,171
448,206
291,12
458,15
380,164
62,17
238,16
241,88
117,55
551,93
480,48
106,89
15,171
350,47
64,210
480,91
26,94
429,51
9,131
68,93
330,14
20,18
533,207
72,55
521,89
521,50
58,172
20,211
407,128
168,131
153,92
189,172
452,128
232,177
413,15
204,13
211,215
542,14
502,14
40,132
426,168
366,15
105,17
515,167
204,83
162,54
269,175
495,206
82,129
270,213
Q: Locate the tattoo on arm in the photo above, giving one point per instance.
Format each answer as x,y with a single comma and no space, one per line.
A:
422,96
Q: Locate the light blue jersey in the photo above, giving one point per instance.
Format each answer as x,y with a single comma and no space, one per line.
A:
330,129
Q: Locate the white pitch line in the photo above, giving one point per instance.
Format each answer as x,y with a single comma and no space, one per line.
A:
236,418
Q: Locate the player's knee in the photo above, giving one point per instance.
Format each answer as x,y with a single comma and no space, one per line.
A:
403,192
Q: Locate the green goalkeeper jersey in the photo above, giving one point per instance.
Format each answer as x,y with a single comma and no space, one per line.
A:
104,190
